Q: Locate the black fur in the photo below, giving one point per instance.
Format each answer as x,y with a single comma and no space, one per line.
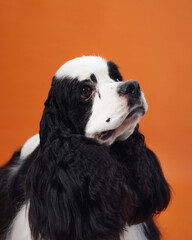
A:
12,189
6,212
99,94
93,78
145,177
114,71
90,191
77,188
64,108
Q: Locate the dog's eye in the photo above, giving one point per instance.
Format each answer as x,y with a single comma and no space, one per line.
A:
117,80
86,92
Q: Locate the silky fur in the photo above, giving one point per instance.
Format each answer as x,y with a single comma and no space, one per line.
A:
76,188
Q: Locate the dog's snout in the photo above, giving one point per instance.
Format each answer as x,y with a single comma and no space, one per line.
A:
130,88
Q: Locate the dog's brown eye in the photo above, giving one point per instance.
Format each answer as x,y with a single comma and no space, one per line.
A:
86,92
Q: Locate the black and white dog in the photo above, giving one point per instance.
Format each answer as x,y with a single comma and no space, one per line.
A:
88,174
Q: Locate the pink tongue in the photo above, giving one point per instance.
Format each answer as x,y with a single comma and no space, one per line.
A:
105,135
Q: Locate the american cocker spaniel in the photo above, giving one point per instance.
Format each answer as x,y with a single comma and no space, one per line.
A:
88,174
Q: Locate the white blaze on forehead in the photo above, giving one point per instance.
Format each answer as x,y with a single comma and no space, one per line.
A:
83,67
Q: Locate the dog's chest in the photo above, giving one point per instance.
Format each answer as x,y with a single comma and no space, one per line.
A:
20,229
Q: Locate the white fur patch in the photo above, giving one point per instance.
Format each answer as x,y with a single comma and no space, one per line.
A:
135,232
27,149
20,227
109,106
113,107
29,146
82,68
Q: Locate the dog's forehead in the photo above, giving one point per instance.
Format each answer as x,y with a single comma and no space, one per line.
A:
83,67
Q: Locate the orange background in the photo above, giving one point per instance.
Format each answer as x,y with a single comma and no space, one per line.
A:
151,41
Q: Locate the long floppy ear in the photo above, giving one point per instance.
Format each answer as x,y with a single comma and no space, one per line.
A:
63,110
76,191
147,179
54,116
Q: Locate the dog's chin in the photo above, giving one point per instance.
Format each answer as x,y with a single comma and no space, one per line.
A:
123,131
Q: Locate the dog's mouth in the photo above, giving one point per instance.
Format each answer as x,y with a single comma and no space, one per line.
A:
105,135
131,117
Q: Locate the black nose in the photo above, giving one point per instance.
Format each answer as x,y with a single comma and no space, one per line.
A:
130,88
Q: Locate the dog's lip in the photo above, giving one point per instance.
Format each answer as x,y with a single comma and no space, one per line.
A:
105,135
139,109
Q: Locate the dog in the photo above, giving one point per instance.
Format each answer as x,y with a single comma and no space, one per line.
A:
88,174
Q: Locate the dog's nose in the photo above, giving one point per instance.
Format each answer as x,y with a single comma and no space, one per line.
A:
130,88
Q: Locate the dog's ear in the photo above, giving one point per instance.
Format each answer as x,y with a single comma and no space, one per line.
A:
147,179
55,117
76,190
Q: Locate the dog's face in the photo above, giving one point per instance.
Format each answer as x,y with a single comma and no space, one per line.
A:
97,102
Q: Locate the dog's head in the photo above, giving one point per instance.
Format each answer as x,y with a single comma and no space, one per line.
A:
93,100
